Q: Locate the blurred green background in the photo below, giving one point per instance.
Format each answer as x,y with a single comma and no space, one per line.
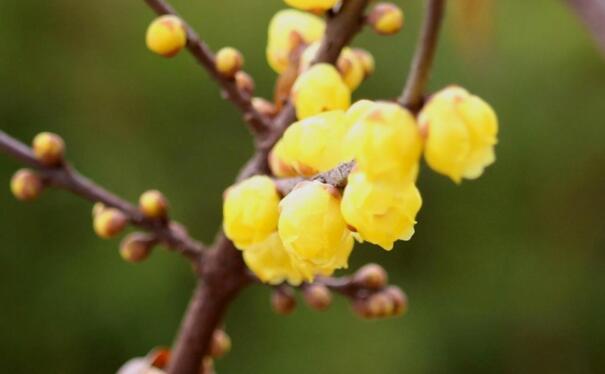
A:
504,275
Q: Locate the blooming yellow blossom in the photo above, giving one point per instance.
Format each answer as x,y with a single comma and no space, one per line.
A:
271,263
166,35
287,29
277,161
313,230
250,211
380,212
312,145
319,89
461,133
385,142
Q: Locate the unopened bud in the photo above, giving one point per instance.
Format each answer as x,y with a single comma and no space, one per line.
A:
244,82
317,296
229,61
399,298
109,223
380,305
49,148
26,185
360,307
207,366
159,357
264,107
153,204
283,301
371,276
97,208
137,246
386,18
166,35
367,61
221,344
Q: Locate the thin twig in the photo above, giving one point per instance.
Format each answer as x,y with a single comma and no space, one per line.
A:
412,95
259,124
172,234
336,177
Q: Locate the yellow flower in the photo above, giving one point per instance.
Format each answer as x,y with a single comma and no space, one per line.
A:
380,212
312,5
350,65
385,142
271,263
319,89
312,145
277,161
166,35
250,211
313,230
461,132
287,30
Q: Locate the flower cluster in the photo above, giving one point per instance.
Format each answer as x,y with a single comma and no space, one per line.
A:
311,230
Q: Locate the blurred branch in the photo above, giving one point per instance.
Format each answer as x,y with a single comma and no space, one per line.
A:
592,13
259,124
173,235
412,95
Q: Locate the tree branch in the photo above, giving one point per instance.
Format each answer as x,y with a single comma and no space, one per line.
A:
259,124
592,13
172,234
336,177
412,95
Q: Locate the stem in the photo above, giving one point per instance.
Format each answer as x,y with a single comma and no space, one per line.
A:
412,95
172,234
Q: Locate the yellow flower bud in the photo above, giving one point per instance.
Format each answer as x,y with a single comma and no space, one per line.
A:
166,36
386,18
461,132
367,61
287,30
220,345
313,145
320,89
312,5
385,142
271,263
49,148
229,61
380,212
312,228
250,211
153,204
26,185
137,246
109,223
349,65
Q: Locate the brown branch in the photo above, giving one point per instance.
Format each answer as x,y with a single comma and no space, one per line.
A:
592,13
412,95
65,177
336,177
259,124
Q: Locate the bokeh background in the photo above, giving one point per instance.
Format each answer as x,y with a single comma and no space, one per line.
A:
505,274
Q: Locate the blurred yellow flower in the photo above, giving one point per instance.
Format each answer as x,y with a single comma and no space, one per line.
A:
271,263
319,89
461,133
287,30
